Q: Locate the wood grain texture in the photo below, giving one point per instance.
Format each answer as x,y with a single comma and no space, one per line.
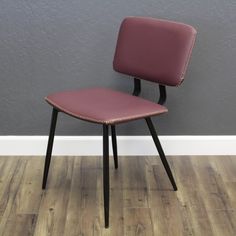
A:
142,199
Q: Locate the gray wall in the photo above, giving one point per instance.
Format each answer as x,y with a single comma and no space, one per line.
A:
47,46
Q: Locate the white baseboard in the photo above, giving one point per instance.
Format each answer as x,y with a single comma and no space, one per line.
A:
127,145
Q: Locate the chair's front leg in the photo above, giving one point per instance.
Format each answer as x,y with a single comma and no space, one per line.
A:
114,145
161,152
106,185
49,147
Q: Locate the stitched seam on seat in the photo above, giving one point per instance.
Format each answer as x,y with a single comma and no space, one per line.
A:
100,121
187,61
135,117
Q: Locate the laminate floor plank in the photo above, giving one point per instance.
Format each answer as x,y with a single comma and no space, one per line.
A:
138,222
83,209
8,198
53,208
190,198
28,197
20,224
134,182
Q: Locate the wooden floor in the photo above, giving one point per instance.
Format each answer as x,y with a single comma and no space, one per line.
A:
142,200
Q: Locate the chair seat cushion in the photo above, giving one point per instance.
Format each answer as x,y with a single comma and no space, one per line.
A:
102,105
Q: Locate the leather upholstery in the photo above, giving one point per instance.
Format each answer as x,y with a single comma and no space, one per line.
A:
154,50
103,105
147,48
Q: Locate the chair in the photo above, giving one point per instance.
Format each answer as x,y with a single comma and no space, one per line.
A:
149,49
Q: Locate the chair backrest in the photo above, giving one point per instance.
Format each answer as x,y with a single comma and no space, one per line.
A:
153,49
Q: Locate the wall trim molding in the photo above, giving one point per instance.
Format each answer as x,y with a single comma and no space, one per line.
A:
127,145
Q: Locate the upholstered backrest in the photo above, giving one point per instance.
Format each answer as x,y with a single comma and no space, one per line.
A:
154,50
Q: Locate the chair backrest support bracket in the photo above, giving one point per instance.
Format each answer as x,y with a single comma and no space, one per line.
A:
162,90
137,87
162,96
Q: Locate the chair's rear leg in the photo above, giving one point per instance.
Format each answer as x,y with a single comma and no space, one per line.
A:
106,184
160,151
49,147
114,145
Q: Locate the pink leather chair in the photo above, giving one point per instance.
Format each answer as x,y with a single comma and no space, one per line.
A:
149,49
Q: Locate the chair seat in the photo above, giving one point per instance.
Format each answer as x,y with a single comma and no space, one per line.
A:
102,105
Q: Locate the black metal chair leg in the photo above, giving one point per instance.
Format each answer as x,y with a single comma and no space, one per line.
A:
49,147
106,186
114,145
161,152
